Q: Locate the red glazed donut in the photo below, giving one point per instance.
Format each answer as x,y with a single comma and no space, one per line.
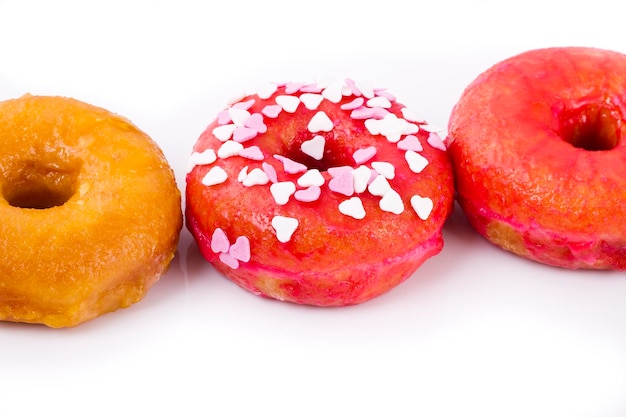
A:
319,194
539,149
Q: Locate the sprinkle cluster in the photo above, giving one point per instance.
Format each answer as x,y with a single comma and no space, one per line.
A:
237,127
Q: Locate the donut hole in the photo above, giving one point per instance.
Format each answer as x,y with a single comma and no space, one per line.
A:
591,127
39,185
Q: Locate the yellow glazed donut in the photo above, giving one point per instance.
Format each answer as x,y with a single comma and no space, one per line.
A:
90,211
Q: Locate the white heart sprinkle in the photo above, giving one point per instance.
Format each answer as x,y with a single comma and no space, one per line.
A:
284,227
256,177
238,116
311,101
423,206
416,162
266,91
216,175
281,191
352,207
379,102
333,92
432,128
224,132
391,202
320,122
386,169
361,176
411,116
205,157
229,148
311,177
379,187
288,103
314,147
242,174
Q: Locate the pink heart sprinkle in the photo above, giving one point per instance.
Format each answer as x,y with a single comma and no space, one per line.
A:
255,121
362,113
308,195
343,184
229,260
290,166
243,134
244,105
410,143
337,171
219,241
353,88
252,152
354,104
223,117
272,110
364,154
435,141
291,88
240,250
270,172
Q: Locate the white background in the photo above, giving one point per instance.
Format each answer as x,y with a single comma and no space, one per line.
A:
475,331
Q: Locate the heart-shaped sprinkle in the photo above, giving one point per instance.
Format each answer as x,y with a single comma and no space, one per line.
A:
361,113
288,103
252,152
290,166
243,134
379,187
311,88
334,172
353,87
229,148
431,128
205,157
238,116
244,105
366,90
309,194
354,104
381,92
229,260
270,172
333,92
224,132
271,110
386,169
284,227
265,91
216,175
361,177
352,207
311,101
364,154
435,141
242,174
342,184
256,177
320,122
416,162
423,206
219,241
314,147
281,191
311,177
411,116
240,250
255,121
223,117
292,87
410,143
379,102
391,202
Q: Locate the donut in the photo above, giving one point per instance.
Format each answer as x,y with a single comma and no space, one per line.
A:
538,146
318,193
91,213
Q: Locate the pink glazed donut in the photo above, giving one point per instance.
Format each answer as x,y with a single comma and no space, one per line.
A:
320,194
